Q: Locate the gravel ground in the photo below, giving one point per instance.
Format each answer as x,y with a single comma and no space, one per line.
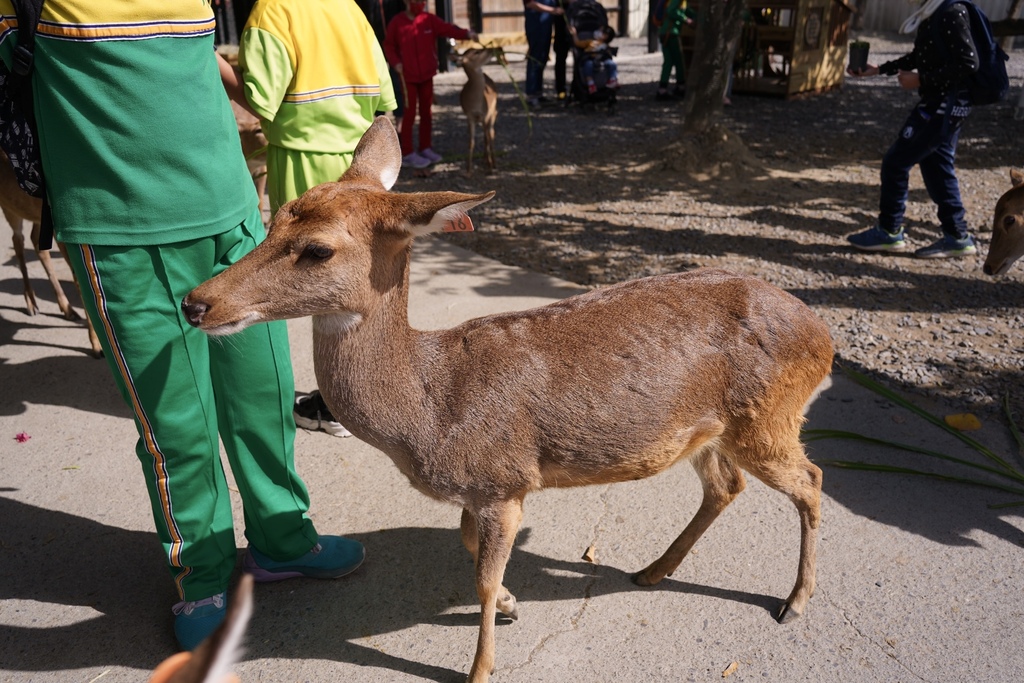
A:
587,197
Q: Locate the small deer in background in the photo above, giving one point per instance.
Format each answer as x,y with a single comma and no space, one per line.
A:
211,662
613,385
479,100
1007,228
18,206
250,131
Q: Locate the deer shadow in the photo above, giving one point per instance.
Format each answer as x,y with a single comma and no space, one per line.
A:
109,605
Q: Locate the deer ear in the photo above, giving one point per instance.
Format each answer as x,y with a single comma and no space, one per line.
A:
378,156
442,212
1016,177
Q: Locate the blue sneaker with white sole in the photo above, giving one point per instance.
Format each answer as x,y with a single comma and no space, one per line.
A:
948,247
877,239
195,620
331,558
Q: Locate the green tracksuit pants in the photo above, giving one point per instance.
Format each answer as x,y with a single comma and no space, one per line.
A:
184,389
672,59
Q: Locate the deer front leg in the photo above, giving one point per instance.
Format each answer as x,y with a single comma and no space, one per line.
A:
489,145
496,531
506,602
472,142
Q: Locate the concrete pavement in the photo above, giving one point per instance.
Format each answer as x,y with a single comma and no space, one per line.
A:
917,579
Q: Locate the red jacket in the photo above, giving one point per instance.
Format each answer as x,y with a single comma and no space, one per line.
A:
413,43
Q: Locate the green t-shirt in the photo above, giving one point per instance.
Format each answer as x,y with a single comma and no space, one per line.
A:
138,140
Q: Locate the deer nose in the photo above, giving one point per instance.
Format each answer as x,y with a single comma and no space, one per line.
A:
194,312
987,269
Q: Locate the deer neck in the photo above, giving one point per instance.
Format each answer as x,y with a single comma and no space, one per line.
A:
369,368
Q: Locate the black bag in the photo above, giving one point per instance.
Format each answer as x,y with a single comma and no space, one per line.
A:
18,136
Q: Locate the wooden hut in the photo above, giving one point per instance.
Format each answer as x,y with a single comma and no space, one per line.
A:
789,47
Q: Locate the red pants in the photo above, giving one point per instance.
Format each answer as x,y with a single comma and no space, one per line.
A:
419,97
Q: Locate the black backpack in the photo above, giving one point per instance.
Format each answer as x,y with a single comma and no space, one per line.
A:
990,83
18,136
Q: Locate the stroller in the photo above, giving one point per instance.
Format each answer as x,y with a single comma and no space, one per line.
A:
586,18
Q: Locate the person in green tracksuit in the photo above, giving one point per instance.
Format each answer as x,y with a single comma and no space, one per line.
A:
150,192
675,16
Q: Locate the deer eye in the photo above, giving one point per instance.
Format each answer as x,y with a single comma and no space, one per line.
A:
318,251
1009,220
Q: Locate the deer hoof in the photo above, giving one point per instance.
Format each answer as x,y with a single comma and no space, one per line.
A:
644,578
71,314
787,614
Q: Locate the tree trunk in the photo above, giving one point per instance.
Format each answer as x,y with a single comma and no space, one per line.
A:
718,30
706,148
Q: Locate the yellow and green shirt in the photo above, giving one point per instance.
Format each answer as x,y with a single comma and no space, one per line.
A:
128,100
316,92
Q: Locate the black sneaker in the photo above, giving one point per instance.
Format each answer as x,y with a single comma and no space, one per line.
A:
311,413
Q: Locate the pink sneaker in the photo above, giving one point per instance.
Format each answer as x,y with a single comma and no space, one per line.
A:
613,83
429,154
415,160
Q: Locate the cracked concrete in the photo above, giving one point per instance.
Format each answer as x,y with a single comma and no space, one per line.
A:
917,580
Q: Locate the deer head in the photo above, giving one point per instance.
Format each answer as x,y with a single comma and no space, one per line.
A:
335,248
1007,228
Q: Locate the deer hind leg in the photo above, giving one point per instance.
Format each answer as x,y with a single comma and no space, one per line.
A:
791,473
58,290
506,602
19,254
94,340
496,526
722,481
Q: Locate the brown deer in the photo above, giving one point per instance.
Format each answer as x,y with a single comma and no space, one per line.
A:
18,206
612,385
479,100
211,662
1007,228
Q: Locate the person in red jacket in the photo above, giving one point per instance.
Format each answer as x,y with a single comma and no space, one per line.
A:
410,46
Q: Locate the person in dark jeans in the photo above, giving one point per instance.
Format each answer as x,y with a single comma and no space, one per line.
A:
562,43
540,17
943,58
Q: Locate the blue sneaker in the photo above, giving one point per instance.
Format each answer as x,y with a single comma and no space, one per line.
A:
331,558
877,239
947,247
194,621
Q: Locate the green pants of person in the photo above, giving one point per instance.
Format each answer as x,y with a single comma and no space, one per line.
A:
672,58
185,390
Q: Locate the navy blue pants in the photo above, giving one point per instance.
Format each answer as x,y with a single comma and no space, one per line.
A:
928,140
538,36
